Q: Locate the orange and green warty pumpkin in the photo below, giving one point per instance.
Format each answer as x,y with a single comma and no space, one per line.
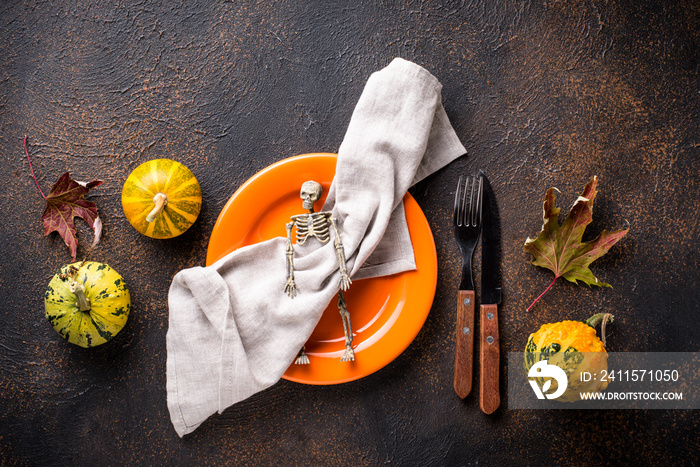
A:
574,347
87,303
161,198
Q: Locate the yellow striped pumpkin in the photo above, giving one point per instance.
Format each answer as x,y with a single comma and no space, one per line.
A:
87,303
161,198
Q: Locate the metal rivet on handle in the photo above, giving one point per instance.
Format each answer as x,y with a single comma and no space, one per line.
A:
465,330
467,301
489,315
489,339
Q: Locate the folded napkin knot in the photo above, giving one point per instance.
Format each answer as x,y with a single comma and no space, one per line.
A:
233,328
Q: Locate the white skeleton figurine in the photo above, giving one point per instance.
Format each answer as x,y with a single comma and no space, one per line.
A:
317,224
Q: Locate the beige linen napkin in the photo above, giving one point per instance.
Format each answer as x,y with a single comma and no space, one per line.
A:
233,331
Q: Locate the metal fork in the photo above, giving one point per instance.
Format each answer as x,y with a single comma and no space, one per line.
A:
467,225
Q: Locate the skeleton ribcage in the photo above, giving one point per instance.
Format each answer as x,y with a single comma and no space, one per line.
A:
315,224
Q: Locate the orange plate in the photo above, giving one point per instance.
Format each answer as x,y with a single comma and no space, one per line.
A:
386,312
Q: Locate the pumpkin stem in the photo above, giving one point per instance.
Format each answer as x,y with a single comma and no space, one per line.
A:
160,200
79,291
606,318
602,318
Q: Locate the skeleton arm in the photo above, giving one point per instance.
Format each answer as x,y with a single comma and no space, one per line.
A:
291,288
344,279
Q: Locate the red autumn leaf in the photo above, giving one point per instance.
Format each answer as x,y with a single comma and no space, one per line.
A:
65,202
559,247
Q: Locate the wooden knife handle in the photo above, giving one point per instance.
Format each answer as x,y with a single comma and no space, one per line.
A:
489,397
464,353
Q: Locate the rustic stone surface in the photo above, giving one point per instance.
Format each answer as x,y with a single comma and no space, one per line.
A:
541,93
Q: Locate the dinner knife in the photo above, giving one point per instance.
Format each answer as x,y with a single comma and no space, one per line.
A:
489,397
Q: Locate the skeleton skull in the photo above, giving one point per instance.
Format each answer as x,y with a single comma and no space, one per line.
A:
310,193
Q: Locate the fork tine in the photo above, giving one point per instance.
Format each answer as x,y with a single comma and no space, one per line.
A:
455,214
461,213
463,204
476,203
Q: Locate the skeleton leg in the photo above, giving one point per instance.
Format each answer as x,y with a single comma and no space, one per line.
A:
344,279
302,358
291,287
349,355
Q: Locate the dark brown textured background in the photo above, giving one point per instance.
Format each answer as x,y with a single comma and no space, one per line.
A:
542,93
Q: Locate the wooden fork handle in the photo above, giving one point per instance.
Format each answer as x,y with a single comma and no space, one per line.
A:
489,398
464,352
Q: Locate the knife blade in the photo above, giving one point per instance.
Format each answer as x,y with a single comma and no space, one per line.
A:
489,398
